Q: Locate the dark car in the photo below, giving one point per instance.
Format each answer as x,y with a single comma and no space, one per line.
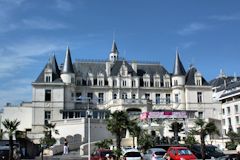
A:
101,154
211,151
4,152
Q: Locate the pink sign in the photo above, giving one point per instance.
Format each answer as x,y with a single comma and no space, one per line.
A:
167,114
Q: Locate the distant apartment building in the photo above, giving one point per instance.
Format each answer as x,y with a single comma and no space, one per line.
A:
227,91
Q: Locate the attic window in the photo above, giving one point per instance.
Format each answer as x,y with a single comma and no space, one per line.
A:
48,79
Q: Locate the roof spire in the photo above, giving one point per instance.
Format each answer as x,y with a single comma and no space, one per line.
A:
114,47
68,67
55,65
178,66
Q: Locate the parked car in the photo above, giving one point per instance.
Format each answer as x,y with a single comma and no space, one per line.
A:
100,154
154,154
180,153
132,154
211,151
4,152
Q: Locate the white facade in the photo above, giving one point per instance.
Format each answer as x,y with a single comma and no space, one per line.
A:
63,95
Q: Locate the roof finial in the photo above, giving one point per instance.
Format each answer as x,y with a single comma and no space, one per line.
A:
235,77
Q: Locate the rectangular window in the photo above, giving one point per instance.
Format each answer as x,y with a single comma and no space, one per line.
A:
133,83
47,115
47,79
167,84
236,108
200,115
224,122
199,97
47,95
228,110
157,84
237,119
77,114
147,95
175,82
223,111
176,98
90,95
229,122
157,98
167,98
100,98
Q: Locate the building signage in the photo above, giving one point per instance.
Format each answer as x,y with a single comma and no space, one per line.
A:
165,114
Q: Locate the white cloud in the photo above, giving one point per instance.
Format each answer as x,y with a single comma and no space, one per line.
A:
19,55
186,45
226,17
64,5
192,28
40,23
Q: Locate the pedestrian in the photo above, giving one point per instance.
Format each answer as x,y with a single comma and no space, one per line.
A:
238,152
65,147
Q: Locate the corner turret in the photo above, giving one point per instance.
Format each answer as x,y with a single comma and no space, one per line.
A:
68,74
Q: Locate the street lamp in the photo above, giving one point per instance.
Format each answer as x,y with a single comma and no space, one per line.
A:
89,130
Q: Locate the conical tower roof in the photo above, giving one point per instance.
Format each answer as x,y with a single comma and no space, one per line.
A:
55,65
178,69
68,67
114,48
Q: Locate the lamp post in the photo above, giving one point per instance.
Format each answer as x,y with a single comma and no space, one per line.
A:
89,131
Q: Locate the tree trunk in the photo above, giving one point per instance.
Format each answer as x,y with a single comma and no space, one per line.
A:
203,150
118,145
10,147
133,141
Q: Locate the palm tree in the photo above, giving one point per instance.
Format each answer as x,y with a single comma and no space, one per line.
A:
117,124
176,128
203,129
48,140
11,128
134,130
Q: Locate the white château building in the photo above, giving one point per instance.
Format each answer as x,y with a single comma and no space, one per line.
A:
62,94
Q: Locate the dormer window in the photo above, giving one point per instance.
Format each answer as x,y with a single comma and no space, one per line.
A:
133,83
146,80
124,70
124,83
198,79
47,79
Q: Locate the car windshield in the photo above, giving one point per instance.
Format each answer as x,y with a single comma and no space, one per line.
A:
184,152
213,149
132,154
159,153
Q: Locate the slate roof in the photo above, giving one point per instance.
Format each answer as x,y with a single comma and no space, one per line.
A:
115,70
68,67
190,77
178,67
151,69
55,71
220,80
83,68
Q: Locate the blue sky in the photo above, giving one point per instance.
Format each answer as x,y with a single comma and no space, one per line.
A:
207,34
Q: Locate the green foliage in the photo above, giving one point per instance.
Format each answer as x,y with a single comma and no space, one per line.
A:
104,143
234,140
203,129
190,140
48,140
146,141
134,130
231,145
11,128
117,123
